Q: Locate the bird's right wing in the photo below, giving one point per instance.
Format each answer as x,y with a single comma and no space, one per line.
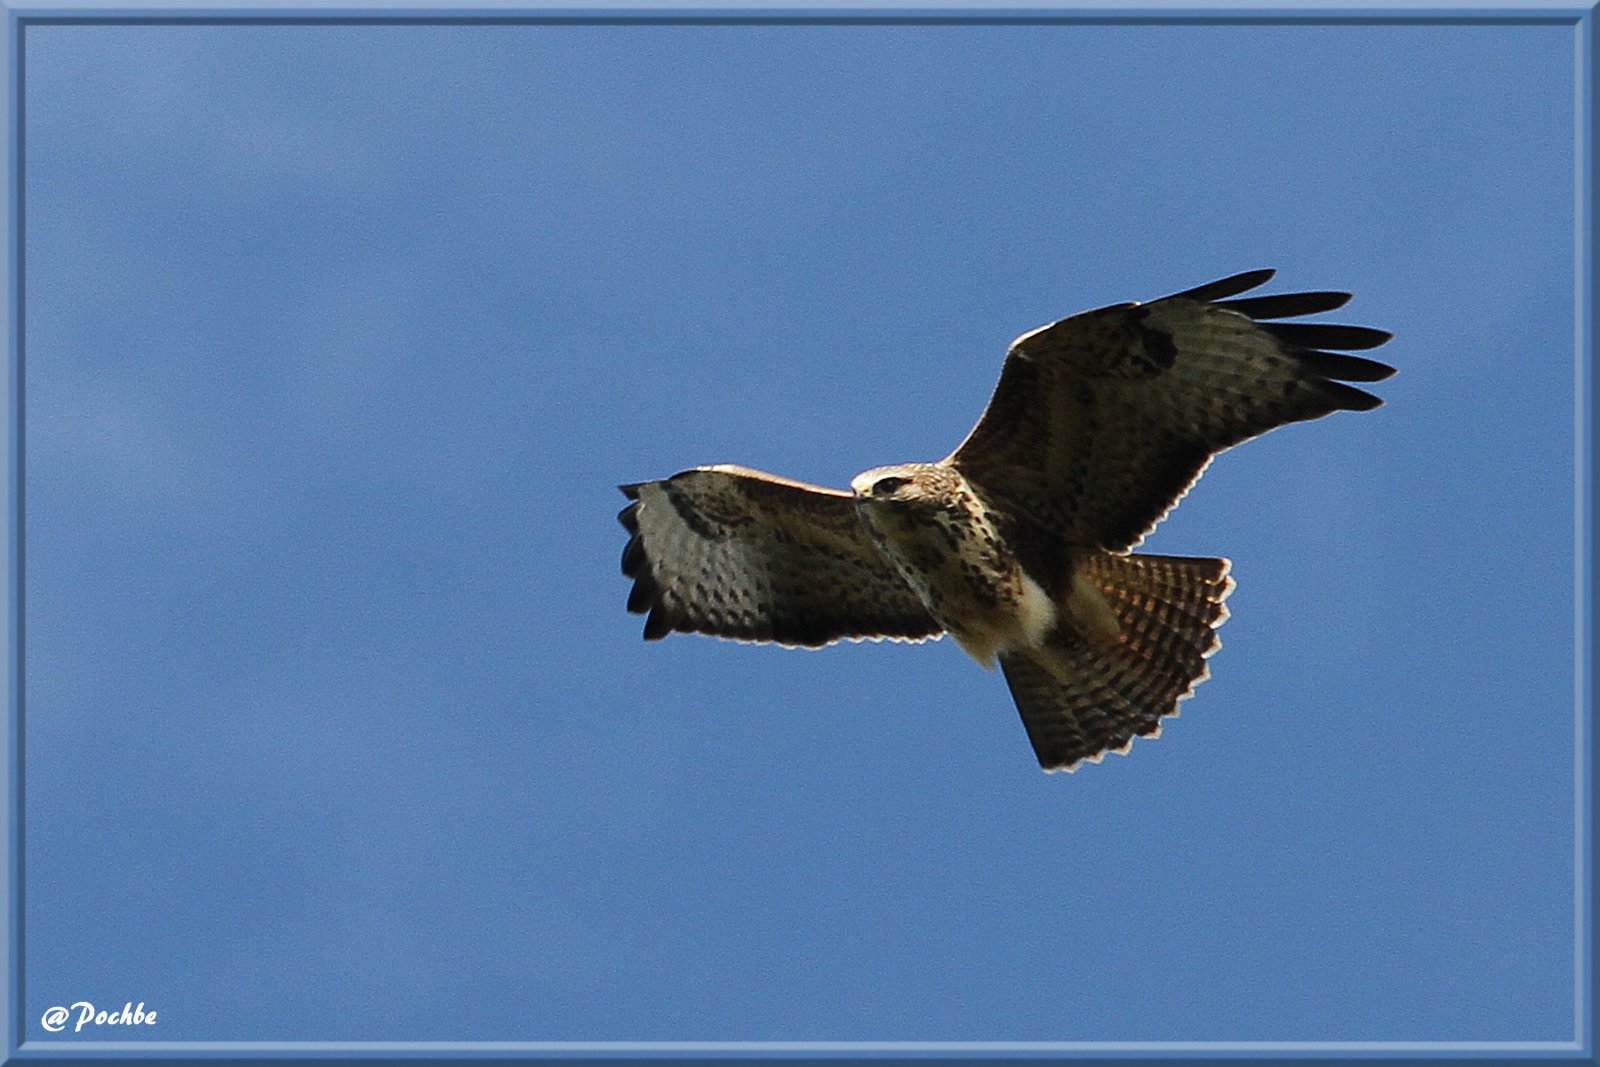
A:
1102,421
734,552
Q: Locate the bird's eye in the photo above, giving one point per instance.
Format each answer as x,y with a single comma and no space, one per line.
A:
887,486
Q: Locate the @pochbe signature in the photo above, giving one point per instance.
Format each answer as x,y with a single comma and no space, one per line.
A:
56,1019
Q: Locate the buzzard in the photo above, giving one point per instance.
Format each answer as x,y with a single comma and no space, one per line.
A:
1018,543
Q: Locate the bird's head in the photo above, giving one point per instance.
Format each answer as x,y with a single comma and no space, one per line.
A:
905,485
900,505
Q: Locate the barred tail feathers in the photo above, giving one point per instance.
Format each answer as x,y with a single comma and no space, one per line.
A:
1083,694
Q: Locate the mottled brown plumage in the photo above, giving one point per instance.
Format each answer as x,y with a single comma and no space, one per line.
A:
736,553
1103,420
1016,544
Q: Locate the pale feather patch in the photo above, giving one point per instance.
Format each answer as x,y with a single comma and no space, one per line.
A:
1036,613
1034,618
1088,609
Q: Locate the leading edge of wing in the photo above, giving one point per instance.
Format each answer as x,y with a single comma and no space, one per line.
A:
631,489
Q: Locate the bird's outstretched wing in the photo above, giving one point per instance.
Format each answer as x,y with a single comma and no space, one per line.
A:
737,553
1102,421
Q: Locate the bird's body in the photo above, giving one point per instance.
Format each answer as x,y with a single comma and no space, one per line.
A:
951,547
1017,544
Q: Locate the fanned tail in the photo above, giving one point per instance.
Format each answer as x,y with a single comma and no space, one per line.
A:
1083,694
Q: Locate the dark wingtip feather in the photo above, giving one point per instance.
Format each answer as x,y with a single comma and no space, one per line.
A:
657,625
1286,305
1325,335
1224,287
642,597
1349,368
1348,397
634,562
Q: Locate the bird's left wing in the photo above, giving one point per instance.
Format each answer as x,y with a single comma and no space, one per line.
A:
1103,420
737,553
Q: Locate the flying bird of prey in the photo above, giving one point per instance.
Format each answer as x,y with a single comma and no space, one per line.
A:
1017,544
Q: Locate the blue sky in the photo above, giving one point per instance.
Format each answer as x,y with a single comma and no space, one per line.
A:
339,339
